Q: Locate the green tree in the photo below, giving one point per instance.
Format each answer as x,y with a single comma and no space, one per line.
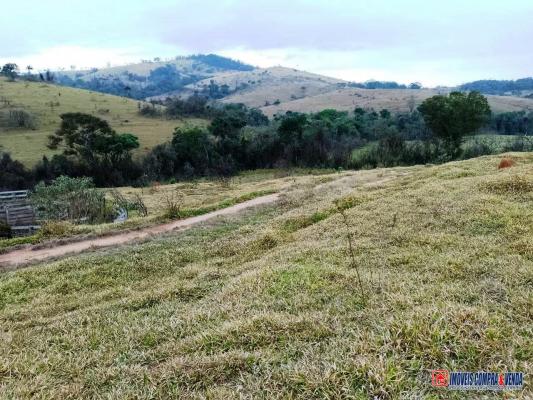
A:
10,70
451,117
92,141
193,146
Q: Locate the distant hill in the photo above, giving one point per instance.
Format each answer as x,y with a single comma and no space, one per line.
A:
501,87
392,99
151,78
45,103
261,86
276,89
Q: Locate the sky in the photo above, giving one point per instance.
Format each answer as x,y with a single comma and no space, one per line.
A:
436,42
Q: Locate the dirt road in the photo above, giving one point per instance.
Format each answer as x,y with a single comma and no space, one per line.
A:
24,256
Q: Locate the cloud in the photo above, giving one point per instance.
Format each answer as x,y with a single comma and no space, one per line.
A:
416,26
275,24
443,41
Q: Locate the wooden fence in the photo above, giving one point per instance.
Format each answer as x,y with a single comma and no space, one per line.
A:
17,212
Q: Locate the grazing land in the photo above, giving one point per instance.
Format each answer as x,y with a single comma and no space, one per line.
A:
395,100
195,197
268,304
46,102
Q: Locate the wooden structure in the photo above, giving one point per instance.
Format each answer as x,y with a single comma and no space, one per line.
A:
16,211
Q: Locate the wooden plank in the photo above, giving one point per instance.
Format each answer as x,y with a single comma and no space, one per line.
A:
13,195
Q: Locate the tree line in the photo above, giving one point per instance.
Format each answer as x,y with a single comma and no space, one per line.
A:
240,138
491,86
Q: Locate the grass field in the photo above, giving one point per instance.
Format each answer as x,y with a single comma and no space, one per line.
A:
268,305
47,102
395,100
194,198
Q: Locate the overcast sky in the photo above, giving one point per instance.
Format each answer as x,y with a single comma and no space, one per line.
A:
437,42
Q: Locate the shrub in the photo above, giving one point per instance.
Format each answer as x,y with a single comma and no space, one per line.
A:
56,228
173,204
149,110
69,199
136,203
18,119
476,149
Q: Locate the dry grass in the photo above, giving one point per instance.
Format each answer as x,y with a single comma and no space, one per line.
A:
261,307
396,100
195,198
29,145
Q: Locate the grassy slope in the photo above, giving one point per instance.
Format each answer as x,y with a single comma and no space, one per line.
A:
265,84
30,145
268,306
194,198
392,99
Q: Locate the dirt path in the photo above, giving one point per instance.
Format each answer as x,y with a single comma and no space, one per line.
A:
20,257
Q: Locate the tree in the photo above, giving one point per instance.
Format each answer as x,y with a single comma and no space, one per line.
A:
193,146
94,144
13,175
451,117
10,70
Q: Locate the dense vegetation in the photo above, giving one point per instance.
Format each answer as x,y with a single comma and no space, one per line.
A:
501,87
239,138
383,85
219,62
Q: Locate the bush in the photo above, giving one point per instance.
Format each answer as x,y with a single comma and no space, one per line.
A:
56,228
69,199
136,203
476,149
521,143
173,204
18,119
149,110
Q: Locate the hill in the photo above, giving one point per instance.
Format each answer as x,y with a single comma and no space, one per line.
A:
261,86
348,99
45,102
275,89
269,304
151,78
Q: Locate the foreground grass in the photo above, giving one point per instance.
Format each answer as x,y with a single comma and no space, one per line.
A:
47,102
267,305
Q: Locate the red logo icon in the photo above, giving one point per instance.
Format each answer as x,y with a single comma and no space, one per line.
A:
439,377
501,381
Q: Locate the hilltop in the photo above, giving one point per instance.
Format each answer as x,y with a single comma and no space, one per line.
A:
152,77
275,89
46,102
262,86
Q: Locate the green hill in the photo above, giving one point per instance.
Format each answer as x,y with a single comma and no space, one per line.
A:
46,102
268,304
